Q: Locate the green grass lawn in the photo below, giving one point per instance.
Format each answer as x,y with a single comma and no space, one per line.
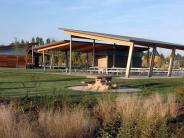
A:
21,83
30,93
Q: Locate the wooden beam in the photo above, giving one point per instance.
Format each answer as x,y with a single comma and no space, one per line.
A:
93,63
32,54
150,73
87,59
51,60
114,56
88,48
148,57
129,61
171,62
70,66
101,38
52,47
66,59
43,60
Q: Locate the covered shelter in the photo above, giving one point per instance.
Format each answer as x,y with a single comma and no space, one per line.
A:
103,55
111,41
127,41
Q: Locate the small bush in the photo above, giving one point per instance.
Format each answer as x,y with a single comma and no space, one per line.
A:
134,116
180,94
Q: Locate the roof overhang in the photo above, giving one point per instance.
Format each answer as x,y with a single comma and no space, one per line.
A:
82,46
122,40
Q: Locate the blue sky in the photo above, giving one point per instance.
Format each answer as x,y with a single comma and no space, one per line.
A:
154,19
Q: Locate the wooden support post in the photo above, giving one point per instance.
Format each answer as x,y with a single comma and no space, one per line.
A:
44,60
51,60
32,54
66,59
129,61
87,58
93,64
70,66
171,62
150,73
114,56
148,57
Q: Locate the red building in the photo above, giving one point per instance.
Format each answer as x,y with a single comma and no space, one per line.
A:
19,56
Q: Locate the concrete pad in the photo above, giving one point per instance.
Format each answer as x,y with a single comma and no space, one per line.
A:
119,90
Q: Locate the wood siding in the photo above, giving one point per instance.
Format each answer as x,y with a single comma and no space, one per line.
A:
11,61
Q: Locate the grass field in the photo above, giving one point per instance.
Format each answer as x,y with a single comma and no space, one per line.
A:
34,104
20,83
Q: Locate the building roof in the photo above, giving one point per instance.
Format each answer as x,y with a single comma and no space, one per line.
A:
135,40
19,45
83,46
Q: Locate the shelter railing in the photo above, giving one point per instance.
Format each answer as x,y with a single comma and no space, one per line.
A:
119,71
134,71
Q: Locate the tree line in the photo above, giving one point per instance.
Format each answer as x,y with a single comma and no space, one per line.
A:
37,39
162,61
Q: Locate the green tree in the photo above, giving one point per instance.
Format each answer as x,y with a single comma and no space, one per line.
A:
53,40
37,40
160,61
145,59
41,42
22,41
48,41
33,40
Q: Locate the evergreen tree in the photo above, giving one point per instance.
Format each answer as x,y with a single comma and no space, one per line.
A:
41,42
22,41
38,40
33,40
48,41
53,40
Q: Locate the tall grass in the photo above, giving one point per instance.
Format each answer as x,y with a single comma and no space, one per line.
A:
12,127
67,123
134,116
124,116
131,106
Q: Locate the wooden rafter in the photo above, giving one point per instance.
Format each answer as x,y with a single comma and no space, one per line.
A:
95,37
52,47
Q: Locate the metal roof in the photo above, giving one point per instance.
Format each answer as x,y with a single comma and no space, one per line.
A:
136,40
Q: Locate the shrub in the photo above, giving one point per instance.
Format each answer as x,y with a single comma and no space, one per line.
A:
180,94
136,116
